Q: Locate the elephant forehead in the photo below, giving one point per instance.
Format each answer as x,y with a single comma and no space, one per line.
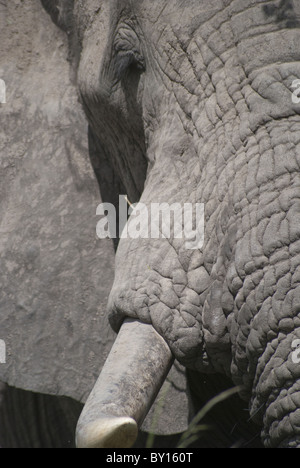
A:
96,23
158,10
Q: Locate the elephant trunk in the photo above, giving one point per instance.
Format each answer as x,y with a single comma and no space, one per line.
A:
281,427
126,389
277,392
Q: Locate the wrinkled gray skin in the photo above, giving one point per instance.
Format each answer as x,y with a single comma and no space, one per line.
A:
192,102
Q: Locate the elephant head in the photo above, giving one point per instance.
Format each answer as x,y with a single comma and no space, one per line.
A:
192,103
187,102
55,274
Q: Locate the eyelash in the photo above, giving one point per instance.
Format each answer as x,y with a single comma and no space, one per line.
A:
126,53
124,60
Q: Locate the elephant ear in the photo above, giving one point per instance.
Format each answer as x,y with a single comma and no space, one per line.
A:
61,12
55,273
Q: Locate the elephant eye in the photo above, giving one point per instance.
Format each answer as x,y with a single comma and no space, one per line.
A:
127,53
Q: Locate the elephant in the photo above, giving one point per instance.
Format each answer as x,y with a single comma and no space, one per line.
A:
193,103
55,274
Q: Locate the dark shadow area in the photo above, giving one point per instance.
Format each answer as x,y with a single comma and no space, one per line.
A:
229,420
284,12
117,143
227,425
109,182
33,420
159,442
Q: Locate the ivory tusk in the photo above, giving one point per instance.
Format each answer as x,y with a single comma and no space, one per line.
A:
129,382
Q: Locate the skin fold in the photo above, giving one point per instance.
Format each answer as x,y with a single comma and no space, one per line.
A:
192,102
